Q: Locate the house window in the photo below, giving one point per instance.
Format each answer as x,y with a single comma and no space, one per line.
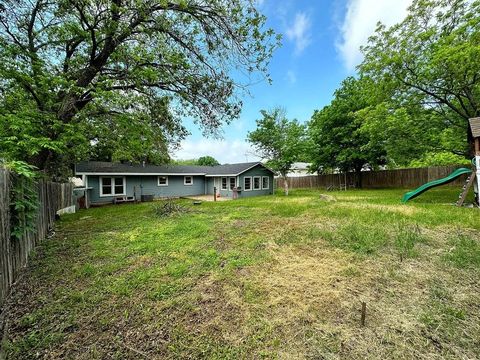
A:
119,188
265,182
106,185
247,183
233,183
188,180
256,183
110,186
163,181
224,183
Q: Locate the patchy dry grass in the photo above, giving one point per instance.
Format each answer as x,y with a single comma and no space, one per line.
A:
266,277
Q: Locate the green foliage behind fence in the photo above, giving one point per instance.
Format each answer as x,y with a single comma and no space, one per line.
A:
20,230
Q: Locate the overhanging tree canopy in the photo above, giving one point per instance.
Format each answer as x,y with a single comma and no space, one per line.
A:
69,66
430,59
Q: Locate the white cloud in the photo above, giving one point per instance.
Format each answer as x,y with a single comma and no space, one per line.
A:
291,77
238,125
299,32
360,21
224,151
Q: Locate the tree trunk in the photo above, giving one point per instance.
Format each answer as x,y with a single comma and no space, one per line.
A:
41,159
358,178
285,185
470,141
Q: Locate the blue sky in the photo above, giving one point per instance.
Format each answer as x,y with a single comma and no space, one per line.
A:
320,47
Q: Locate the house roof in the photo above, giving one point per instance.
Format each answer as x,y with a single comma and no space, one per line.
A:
101,167
475,126
231,169
300,165
110,168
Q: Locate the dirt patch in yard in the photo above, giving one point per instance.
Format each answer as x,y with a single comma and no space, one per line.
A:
313,298
400,209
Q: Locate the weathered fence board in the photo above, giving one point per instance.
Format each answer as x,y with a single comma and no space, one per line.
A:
14,252
5,258
399,178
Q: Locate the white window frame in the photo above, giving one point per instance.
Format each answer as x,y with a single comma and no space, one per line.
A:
158,180
230,187
268,182
112,186
259,183
244,187
185,180
226,183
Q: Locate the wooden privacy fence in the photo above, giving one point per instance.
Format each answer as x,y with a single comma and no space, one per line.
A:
14,252
399,178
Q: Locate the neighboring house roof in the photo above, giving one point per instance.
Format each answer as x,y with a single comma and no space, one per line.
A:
110,168
300,166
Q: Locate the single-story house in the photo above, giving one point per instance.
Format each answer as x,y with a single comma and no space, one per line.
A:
107,182
299,169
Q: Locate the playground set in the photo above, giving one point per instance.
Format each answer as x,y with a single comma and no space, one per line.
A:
472,174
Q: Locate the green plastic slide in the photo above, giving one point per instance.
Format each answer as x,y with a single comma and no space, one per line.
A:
420,190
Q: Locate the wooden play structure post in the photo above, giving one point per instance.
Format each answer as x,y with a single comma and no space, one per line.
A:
473,178
475,131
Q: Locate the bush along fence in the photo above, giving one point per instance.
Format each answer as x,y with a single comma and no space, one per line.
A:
23,224
399,178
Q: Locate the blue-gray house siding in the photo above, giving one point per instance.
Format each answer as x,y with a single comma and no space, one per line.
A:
258,171
137,185
133,181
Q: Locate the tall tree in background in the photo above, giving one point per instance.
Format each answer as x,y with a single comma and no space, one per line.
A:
411,135
207,161
201,161
279,140
336,139
428,64
71,70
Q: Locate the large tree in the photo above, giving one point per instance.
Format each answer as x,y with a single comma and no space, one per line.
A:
337,141
429,61
207,161
410,134
279,140
71,70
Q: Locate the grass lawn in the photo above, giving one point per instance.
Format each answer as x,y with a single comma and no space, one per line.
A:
266,277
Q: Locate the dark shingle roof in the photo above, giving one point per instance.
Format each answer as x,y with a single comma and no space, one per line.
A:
120,168
231,169
125,168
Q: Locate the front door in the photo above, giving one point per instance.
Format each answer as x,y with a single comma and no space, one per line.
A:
232,182
217,182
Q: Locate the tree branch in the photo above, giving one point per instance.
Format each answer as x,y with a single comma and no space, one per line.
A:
89,27
433,95
31,24
70,48
14,38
